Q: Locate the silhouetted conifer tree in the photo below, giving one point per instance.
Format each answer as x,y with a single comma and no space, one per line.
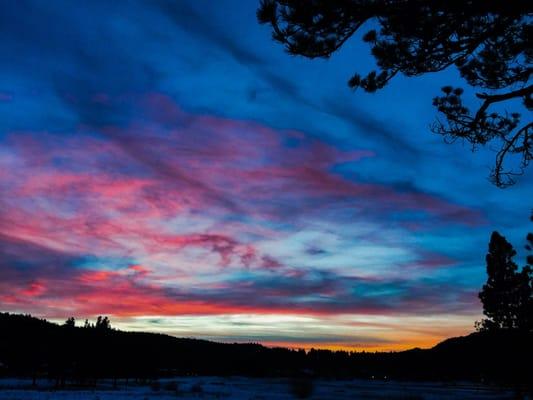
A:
529,245
507,295
70,322
529,268
487,41
103,323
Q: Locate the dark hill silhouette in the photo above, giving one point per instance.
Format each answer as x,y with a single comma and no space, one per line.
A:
37,348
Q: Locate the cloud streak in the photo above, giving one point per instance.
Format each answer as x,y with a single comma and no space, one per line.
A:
135,220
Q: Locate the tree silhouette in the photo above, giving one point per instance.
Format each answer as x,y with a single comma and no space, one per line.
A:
507,295
103,323
529,245
488,41
529,268
70,322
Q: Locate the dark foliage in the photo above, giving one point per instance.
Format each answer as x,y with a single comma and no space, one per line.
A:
529,245
102,323
507,296
488,41
34,347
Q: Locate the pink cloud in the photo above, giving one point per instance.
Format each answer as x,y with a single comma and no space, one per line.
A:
171,187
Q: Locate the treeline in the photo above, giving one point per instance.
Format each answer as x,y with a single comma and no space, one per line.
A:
70,355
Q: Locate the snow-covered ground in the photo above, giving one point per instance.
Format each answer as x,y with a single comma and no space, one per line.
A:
238,388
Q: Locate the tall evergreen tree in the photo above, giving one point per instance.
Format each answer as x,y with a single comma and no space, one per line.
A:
529,245
529,267
507,295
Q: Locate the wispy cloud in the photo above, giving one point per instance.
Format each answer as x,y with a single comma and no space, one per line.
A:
180,196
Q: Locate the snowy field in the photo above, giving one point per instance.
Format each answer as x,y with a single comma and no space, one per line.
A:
253,389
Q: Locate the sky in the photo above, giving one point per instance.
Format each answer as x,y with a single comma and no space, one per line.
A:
167,164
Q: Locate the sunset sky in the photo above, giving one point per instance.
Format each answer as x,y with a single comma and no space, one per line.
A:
167,164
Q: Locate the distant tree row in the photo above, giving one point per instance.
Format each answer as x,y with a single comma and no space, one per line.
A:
507,296
30,347
102,323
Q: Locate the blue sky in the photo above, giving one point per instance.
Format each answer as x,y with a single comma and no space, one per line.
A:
171,166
